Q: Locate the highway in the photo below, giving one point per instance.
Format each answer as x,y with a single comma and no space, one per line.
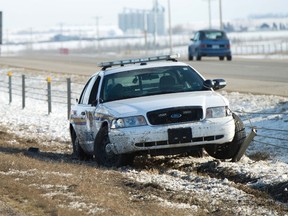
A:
247,75
257,76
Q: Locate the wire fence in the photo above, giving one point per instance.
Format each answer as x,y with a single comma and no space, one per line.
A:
29,87
270,136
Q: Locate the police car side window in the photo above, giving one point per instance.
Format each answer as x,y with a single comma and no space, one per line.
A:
84,99
94,92
83,92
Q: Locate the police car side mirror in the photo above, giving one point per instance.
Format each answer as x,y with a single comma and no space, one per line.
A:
214,84
208,84
219,84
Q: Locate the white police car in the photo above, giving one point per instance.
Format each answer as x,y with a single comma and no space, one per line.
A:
153,106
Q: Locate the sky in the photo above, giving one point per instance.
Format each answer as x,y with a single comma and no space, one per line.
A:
47,13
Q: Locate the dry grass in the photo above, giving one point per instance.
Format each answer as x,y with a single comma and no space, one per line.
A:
50,183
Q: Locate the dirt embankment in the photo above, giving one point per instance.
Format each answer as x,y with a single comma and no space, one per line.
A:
46,180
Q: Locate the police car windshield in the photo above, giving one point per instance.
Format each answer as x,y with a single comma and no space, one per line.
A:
150,81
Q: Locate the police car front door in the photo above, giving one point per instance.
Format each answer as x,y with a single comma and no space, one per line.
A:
86,112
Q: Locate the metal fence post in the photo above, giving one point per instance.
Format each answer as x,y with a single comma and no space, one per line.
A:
68,97
49,94
10,86
23,91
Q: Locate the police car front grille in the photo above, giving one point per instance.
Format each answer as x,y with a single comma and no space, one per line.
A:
175,115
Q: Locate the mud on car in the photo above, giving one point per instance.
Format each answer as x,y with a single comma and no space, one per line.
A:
155,106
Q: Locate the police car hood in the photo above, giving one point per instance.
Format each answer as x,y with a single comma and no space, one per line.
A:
142,105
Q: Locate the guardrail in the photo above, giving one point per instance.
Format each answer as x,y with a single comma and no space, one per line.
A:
239,45
260,49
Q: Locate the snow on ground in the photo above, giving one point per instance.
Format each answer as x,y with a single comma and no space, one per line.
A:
268,113
216,192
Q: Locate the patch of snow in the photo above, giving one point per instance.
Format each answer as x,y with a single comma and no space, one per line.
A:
21,173
207,190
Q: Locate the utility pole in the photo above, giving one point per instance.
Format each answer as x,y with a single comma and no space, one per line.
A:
30,43
170,28
220,14
209,13
97,32
155,14
1,33
145,30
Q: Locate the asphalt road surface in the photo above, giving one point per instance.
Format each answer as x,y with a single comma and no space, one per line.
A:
258,76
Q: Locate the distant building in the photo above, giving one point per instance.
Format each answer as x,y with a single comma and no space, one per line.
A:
137,20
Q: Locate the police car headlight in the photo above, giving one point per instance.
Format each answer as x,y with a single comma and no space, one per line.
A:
218,112
132,121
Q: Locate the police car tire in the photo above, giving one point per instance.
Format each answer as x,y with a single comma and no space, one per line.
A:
101,156
229,150
78,152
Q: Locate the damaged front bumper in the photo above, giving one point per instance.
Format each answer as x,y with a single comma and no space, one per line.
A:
135,139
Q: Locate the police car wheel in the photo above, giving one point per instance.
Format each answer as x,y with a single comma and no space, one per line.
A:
229,150
78,152
105,158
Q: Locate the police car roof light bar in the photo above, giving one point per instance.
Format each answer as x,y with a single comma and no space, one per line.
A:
105,65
